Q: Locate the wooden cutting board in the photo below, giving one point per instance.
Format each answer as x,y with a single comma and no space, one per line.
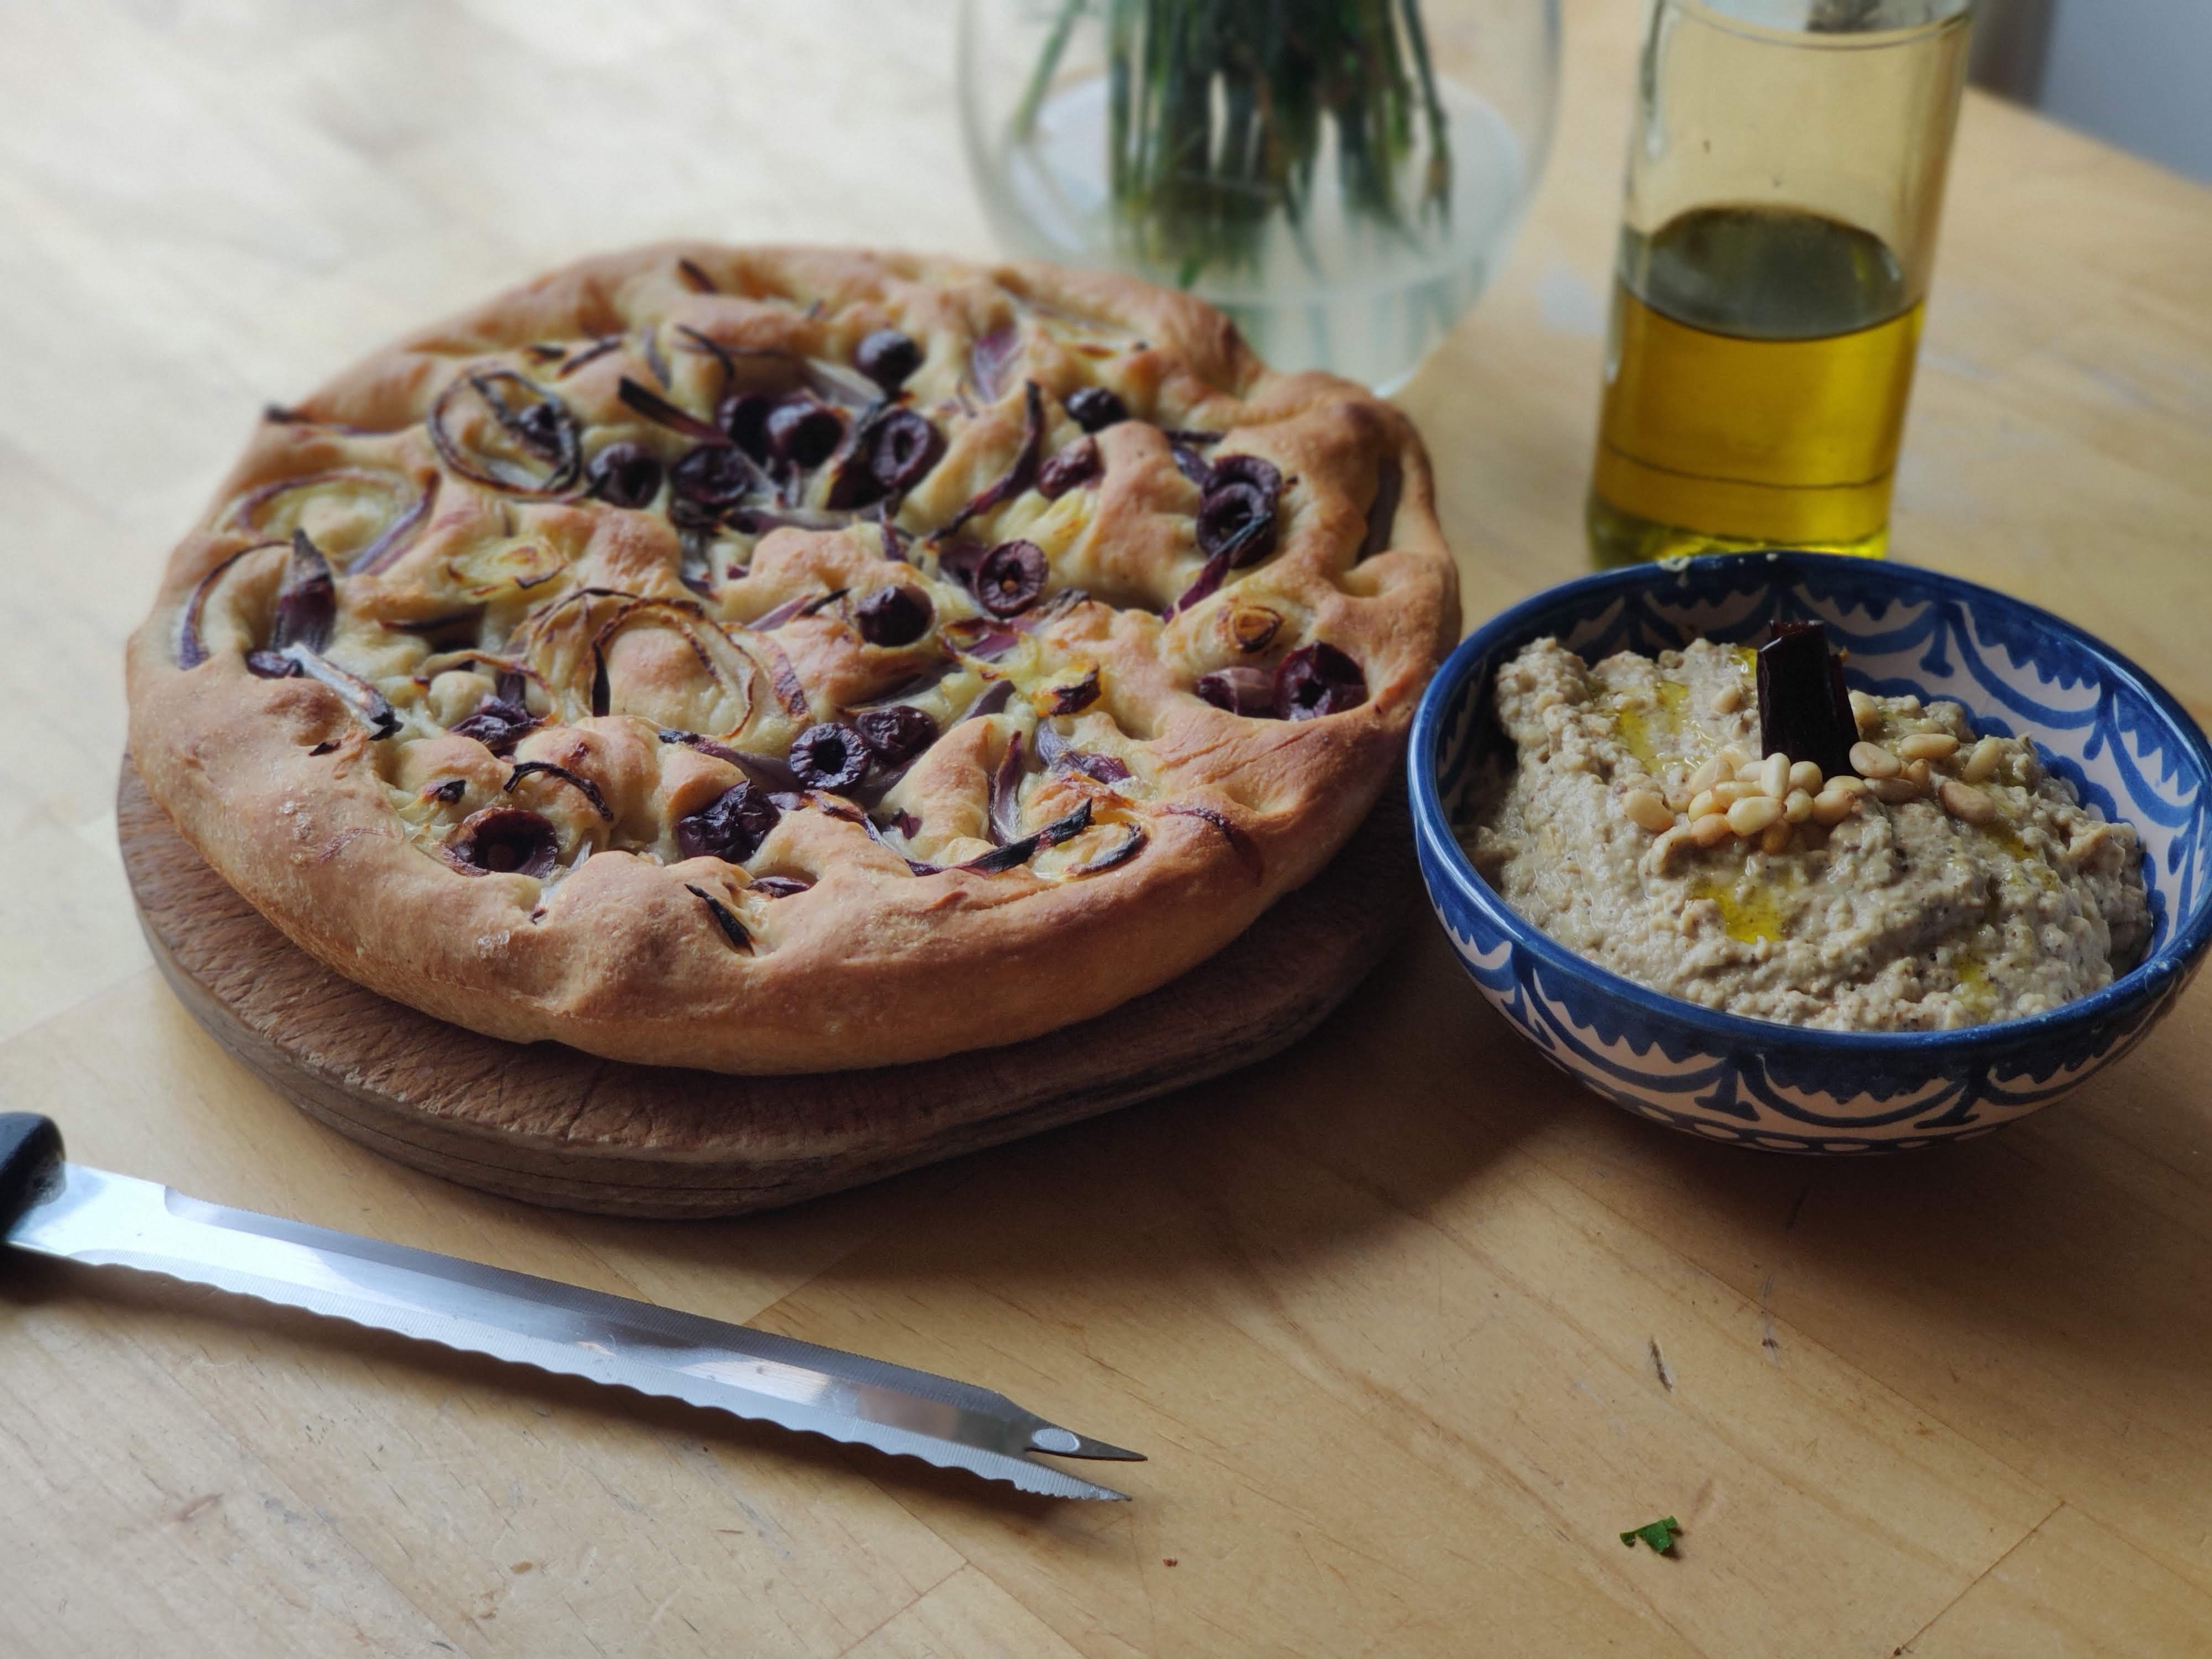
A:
557,1127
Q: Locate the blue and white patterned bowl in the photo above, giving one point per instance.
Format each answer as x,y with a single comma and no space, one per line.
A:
2101,722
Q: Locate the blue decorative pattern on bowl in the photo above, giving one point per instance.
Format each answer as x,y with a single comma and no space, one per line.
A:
2101,723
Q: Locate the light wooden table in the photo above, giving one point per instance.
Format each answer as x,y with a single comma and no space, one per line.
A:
1410,1328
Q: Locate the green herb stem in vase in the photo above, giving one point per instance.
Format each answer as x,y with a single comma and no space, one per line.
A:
1306,164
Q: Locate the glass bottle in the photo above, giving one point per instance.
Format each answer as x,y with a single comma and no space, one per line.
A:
1784,180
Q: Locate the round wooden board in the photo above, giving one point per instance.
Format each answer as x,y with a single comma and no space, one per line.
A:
557,1126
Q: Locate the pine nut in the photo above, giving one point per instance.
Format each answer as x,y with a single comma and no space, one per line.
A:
1664,848
1830,808
1917,773
1727,794
1731,759
1774,776
1865,712
1798,806
1893,791
1705,777
1847,784
1728,699
1927,746
1702,805
1753,813
1750,771
1871,760
1965,803
1806,776
1776,838
1678,801
1981,765
1710,831
1646,810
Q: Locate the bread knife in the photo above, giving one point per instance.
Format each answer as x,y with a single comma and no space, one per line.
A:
71,1211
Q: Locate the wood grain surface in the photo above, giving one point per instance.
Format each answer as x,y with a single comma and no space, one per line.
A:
1410,1326
545,1123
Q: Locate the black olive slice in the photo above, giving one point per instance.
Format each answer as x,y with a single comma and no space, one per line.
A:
1240,689
731,827
1094,409
1071,468
830,757
502,840
902,448
803,431
895,735
1317,679
894,616
1010,578
888,357
624,475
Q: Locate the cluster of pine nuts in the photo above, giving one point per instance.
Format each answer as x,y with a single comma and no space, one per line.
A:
1733,796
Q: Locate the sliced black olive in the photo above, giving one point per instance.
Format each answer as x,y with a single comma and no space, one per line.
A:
1804,708
901,450
1317,679
714,477
803,431
1249,691
894,616
895,735
1010,578
887,358
1237,512
829,757
1094,409
624,475
1077,464
731,827
743,415
501,839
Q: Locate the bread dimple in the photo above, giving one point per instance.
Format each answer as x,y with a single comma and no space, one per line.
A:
625,667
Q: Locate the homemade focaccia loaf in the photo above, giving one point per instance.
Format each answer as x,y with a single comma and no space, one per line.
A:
776,660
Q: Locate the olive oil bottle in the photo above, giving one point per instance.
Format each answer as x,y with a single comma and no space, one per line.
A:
1782,192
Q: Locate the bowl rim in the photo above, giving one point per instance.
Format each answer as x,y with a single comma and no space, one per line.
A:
2186,937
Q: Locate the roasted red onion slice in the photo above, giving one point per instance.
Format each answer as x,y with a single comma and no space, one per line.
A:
1095,408
1241,690
829,757
1075,698
993,698
1018,477
731,827
1015,853
584,786
1054,751
1192,465
1071,468
1132,842
410,508
1317,679
1247,853
505,839
732,929
363,700
980,638
191,649
1204,586
539,425
306,600
1009,579
894,543
694,278
500,721
1005,815
771,770
894,616
988,360
585,354
658,409
888,357
776,887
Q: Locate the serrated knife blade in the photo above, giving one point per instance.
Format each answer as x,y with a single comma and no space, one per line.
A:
71,1211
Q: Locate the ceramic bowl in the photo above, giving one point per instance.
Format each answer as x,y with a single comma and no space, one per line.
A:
2102,723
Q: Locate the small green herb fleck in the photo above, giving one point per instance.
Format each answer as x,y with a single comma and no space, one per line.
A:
1660,1534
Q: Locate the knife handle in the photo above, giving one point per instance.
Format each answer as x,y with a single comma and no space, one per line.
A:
30,1154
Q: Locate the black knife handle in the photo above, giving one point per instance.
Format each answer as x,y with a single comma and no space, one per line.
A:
30,1153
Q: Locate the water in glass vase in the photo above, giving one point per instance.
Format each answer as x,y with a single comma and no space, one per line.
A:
1756,382
1336,286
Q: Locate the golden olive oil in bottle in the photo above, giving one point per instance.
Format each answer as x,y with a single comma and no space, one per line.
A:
1784,181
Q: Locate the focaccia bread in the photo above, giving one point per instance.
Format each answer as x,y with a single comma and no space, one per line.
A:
779,660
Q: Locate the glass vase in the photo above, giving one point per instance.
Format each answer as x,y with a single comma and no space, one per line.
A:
1342,177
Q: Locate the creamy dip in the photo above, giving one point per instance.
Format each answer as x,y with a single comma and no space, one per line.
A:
1948,880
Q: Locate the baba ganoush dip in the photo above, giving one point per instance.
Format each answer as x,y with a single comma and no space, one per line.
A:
1948,879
